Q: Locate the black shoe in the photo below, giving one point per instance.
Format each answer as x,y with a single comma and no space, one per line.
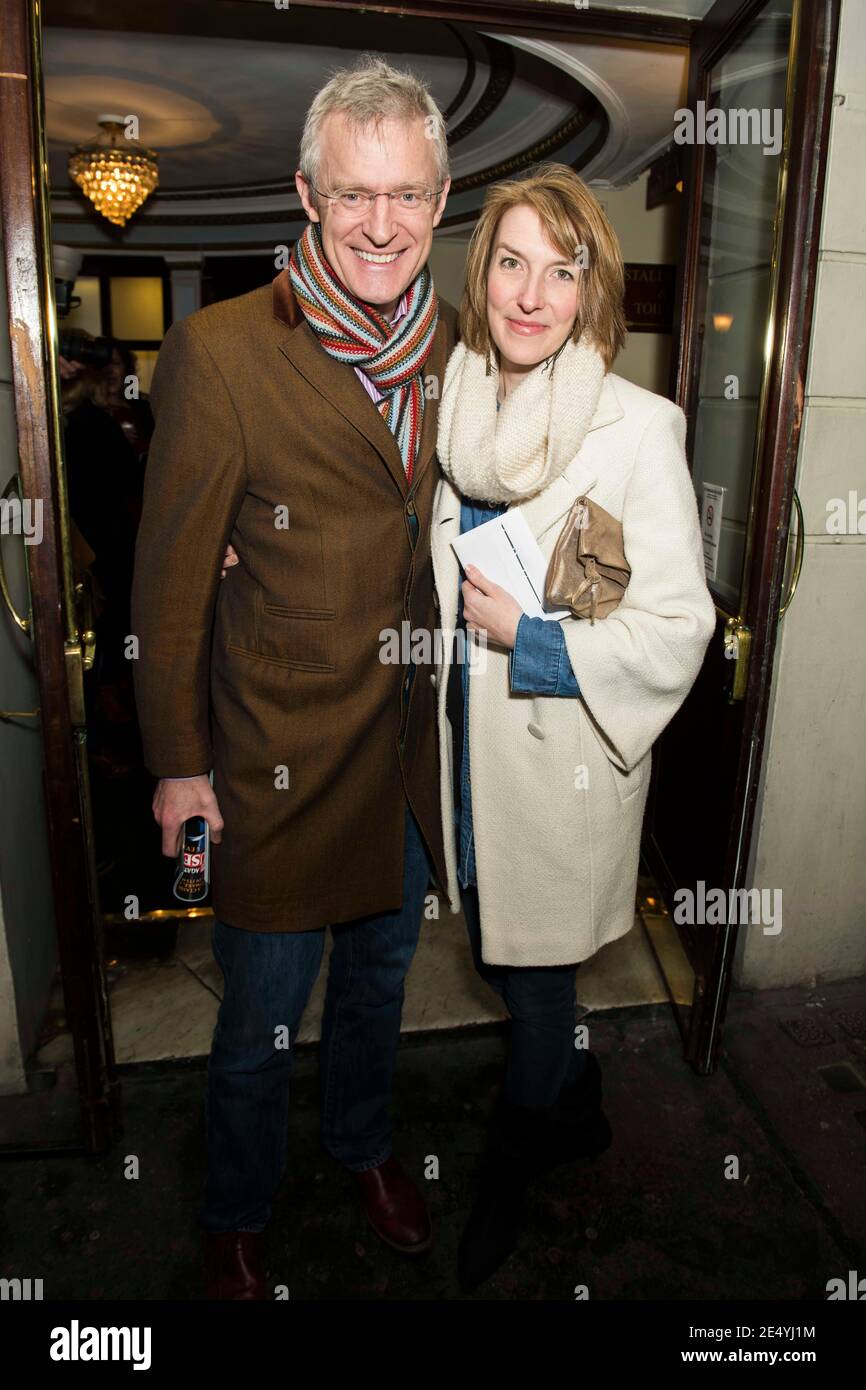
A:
578,1127
494,1223
526,1142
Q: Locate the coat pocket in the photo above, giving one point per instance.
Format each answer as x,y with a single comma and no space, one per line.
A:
301,638
628,784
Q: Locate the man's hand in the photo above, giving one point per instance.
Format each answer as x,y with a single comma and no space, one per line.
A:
175,801
487,606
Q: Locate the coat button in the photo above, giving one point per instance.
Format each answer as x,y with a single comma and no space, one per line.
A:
432,677
535,731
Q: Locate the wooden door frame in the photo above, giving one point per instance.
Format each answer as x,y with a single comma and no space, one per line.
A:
57,649
804,167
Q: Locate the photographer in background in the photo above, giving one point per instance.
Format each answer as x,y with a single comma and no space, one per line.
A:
132,414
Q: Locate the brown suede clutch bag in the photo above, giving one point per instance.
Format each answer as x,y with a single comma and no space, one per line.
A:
588,571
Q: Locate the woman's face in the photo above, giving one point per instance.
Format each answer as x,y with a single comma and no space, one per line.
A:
532,291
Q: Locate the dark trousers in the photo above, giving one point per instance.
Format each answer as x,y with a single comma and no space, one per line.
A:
268,980
540,1000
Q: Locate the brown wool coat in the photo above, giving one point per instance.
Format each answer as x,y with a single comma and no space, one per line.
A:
278,665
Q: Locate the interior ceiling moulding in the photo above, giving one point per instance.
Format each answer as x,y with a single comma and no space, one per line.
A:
507,107
498,81
638,97
616,19
479,180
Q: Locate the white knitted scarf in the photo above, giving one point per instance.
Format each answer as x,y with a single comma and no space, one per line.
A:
512,454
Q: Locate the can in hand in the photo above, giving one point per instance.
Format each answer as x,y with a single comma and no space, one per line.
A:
192,879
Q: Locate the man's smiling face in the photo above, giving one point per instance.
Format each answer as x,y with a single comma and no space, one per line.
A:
377,253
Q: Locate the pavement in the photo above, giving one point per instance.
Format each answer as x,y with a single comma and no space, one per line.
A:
747,1184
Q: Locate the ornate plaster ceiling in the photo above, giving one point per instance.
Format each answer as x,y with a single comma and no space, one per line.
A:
220,88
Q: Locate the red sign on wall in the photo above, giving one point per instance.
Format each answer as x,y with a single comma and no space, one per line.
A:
649,297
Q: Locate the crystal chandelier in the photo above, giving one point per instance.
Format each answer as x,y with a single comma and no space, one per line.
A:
116,174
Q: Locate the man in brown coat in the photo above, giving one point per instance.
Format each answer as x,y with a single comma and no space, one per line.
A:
298,422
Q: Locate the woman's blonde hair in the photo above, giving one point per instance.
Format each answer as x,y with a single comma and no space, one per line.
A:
574,221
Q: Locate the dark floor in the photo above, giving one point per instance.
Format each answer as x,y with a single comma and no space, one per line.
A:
654,1217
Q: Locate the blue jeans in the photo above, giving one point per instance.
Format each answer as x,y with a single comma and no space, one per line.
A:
268,980
540,1000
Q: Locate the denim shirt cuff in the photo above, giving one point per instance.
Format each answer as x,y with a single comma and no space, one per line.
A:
535,658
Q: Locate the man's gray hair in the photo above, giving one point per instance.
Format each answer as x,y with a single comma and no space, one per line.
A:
367,92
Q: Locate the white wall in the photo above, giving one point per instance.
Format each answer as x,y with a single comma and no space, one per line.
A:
650,237
810,838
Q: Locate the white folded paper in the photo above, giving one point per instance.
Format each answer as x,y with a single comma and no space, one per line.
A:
506,551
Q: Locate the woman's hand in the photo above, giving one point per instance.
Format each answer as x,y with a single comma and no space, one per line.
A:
486,605
230,558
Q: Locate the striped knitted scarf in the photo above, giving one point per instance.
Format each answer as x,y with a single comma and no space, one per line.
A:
392,356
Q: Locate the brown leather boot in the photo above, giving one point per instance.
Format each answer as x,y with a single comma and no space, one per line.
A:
235,1265
395,1208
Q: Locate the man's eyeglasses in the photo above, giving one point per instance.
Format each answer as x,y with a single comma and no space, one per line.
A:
401,199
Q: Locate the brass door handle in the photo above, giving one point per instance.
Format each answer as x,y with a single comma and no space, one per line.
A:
86,633
25,624
798,556
88,649
738,645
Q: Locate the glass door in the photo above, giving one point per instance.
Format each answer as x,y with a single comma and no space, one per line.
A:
760,88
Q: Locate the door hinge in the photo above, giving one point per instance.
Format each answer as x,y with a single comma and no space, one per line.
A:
75,684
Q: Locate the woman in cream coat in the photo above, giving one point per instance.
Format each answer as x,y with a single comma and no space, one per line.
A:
546,735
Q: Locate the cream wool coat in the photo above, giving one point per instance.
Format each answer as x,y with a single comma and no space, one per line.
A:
557,860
